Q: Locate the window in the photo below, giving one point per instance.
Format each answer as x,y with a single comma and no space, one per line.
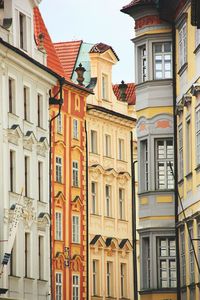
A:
123,279
40,110
198,237
121,204
143,55
75,173
121,149
59,169
94,197
146,263
144,164
189,146
191,257
93,141
162,60
13,260
27,176
75,229
40,183
12,171
182,254
41,257
198,134
22,31
108,201
107,145
182,45
197,38
11,95
164,157
95,279
58,286
104,87
109,274
75,288
26,103
167,262
27,258
180,151
58,226
59,123
75,129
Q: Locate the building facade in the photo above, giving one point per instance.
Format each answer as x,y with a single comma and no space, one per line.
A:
25,82
155,134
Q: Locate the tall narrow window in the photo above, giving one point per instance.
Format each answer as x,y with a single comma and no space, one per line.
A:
26,103
183,261
59,169
11,95
146,263
58,286
27,176
22,31
164,158
180,151
182,45
121,204
162,60
76,229
40,110
121,149
59,123
93,141
189,146
107,145
167,262
123,279
108,201
109,274
40,184
75,287
143,55
27,258
75,173
145,165
41,257
104,87
191,257
58,226
75,129
12,171
94,197
13,260
95,278
198,135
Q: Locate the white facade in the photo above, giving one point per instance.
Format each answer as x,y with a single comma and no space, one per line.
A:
24,155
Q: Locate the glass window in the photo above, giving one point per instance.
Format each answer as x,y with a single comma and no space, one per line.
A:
40,181
145,164
75,288
27,255
12,171
75,173
104,87
162,60
95,279
58,286
121,204
27,176
182,254
41,257
93,141
182,45
59,169
11,95
40,110
191,256
167,262
75,229
180,151
58,226
109,274
75,129
108,200
143,63
198,135
107,145
123,279
121,150
26,103
94,197
164,158
22,31
189,146
59,123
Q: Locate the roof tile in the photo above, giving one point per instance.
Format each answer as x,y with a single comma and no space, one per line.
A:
101,48
130,93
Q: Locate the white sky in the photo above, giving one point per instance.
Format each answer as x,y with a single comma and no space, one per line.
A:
94,21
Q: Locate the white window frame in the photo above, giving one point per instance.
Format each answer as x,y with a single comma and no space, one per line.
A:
107,145
40,111
108,204
109,278
104,83
22,31
75,173
94,144
121,149
180,151
75,287
12,95
94,197
123,278
59,169
95,277
122,204
40,181
183,258
59,288
58,223
75,129
146,263
191,255
26,94
145,166
143,63
76,229
59,123
163,61
182,35
197,121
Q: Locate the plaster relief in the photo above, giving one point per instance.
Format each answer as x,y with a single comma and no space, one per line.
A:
163,124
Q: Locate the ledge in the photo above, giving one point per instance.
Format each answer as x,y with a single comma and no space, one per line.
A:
197,49
164,191
158,291
197,169
182,69
42,280
14,276
29,278
180,182
189,175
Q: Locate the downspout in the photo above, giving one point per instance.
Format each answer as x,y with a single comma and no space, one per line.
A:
87,212
52,100
135,278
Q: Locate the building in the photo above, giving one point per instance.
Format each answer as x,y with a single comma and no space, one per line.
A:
155,134
25,82
68,200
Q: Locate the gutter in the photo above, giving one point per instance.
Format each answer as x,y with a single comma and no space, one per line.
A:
87,213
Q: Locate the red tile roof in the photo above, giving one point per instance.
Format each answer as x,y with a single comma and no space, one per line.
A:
130,93
53,61
68,54
134,3
101,48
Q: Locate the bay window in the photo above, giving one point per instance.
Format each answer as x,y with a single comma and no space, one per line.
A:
162,53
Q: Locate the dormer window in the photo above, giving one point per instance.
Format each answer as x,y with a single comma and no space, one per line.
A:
22,32
104,87
162,60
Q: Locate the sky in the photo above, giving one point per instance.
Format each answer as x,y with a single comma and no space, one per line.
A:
94,21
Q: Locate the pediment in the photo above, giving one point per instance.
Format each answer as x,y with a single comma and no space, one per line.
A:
76,147
125,245
29,140
15,134
77,203
109,56
42,146
59,199
98,242
43,220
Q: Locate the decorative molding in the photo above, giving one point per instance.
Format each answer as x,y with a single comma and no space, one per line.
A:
179,109
43,221
29,140
59,199
195,90
29,214
14,134
147,21
187,99
42,146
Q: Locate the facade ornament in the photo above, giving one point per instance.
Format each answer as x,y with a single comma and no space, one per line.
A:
29,140
179,108
195,90
42,146
14,134
187,99
29,214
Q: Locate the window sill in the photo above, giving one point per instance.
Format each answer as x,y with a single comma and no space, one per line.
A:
76,243
76,186
108,217
59,182
59,133
28,122
197,49
95,215
29,278
42,202
94,153
123,220
189,175
42,280
182,69
155,191
75,139
197,169
180,182
60,241
158,291
14,276
109,157
121,160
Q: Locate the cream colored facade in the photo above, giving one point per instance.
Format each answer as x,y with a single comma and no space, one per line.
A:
109,126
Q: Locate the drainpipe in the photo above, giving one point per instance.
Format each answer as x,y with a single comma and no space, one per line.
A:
135,279
87,211
53,101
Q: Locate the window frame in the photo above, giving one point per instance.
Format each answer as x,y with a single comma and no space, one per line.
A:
12,95
109,278
94,142
41,257
197,134
94,198
40,112
121,149
76,229
75,129
59,287
58,226
122,214
26,94
59,170
163,60
27,255
104,86
75,173
107,145
108,198
22,31
12,174
123,277
182,43
180,151
183,257
75,287
95,277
